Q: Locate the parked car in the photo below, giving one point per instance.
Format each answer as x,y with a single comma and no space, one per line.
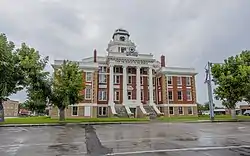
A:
247,113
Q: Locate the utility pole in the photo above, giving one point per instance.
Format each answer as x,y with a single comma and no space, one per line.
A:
210,91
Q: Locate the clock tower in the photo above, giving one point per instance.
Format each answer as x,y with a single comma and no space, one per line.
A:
121,43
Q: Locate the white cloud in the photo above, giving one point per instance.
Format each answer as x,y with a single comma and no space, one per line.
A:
189,32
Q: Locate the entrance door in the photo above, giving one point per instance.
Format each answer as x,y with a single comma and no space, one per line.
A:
133,110
87,111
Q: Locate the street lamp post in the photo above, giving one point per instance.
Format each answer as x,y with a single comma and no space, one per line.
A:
210,91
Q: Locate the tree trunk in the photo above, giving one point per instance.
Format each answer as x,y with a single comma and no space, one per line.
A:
1,111
233,113
62,114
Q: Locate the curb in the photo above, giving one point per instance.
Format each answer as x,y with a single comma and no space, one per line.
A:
69,124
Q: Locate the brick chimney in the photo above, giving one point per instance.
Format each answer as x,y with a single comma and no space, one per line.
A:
163,63
95,55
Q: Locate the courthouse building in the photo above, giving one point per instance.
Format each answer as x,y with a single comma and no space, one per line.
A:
128,83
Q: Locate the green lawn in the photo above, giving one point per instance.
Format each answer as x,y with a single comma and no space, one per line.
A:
40,120
203,117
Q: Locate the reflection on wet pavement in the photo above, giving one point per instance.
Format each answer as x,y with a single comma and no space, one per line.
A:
213,139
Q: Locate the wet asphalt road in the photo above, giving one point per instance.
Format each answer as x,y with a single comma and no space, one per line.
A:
155,139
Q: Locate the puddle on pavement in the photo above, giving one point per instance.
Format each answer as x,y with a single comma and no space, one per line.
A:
187,139
93,143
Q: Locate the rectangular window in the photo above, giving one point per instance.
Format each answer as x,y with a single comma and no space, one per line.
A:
189,95
188,81
117,96
74,111
159,81
170,81
102,95
129,95
171,110
130,70
102,111
88,76
123,49
141,79
118,70
179,82
87,93
190,110
102,69
180,109
116,79
179,93
170,95
142,95
129,79
102,78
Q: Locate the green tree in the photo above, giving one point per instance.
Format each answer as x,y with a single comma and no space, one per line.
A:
12,77
67,84
19,68
229,80
245,55
38,81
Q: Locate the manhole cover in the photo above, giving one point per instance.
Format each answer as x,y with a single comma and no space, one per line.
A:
187,139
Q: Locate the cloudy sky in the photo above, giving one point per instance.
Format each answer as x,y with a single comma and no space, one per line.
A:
187,32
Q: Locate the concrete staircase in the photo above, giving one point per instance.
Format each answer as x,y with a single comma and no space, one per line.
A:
121,111
150,110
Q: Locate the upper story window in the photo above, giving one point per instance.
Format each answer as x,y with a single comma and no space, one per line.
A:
118,70
170,80
102,78
179,82
123,49
116,79
154,80
141,79
179,95
88,76
129,79
102,69
188,81
189,95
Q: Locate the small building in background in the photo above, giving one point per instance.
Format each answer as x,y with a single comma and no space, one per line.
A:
11,108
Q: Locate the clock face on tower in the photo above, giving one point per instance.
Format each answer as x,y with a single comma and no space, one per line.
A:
122,38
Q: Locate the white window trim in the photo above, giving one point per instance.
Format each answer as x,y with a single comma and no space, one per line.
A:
102,111
172,95
154,78
188,83
190,95
181,95
115,95
103,92
86,77
116,78
170,78
179,77
192,108
182,110
102,76
76,111
169,111
87,98
129,91
131,79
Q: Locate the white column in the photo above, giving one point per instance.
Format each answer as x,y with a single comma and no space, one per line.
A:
125,85
111,85
151,100
138,85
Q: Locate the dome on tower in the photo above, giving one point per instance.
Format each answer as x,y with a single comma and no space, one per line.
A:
121,31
